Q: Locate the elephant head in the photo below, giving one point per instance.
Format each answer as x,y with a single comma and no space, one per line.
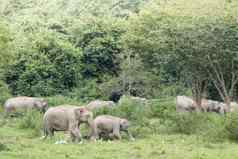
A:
83,115
42,105
124,124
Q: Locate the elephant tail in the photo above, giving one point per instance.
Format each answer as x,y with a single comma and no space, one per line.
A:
45,129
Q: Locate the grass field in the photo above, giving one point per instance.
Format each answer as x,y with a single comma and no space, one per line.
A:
17,143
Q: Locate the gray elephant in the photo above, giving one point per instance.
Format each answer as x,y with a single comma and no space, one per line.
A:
24,103
185,104
97,104
110,127
67,118
213,106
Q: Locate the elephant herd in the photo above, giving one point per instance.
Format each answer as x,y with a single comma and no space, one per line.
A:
68,118
187,104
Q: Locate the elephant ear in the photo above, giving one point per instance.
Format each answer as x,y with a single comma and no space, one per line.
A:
83,115
124,123
37,104
79,111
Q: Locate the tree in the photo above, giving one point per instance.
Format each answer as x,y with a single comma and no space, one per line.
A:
100,45
222,57
5,54
49,65
209,51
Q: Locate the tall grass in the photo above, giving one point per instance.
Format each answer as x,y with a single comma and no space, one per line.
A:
159,116
61,100
32,119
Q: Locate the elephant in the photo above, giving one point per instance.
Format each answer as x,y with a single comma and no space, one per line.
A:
137,100
67,118
185,104
233,106
110,127
97,104
115,95
213,106
24,103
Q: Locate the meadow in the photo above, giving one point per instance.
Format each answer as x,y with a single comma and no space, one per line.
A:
155,127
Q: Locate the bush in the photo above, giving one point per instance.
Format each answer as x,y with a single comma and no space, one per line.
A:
231,125
60,100
48,66
4,93
162,108
208,125
86,90
32,119
3,147
130,109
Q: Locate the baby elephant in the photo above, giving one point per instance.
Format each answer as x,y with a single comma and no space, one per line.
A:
67,118
110,127
24,103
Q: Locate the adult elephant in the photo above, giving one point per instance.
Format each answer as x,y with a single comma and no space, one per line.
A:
185,104
97,104
67,118
110,127
24,103
214,106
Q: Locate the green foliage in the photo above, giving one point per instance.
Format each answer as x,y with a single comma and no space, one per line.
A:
6,54
162,108
100,46
51,67
32,119
210,126
232,125
4,92
86,90
61,100
3,147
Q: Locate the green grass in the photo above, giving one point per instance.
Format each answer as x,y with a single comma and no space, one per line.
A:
153,129
17,143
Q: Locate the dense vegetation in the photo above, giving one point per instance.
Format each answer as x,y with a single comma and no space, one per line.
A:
86,49
73,51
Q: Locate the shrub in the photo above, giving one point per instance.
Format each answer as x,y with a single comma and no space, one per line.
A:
208,125
3,147
231,125
32,119
86,90
60,100
162,108
4,93
47,66
130,109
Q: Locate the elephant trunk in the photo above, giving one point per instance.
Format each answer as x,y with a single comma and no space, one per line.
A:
93,130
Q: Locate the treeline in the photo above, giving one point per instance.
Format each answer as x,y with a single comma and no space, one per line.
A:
149,48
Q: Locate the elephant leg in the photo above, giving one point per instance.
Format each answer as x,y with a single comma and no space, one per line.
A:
94,134
75,135
115,136
116,132
130,136
50,132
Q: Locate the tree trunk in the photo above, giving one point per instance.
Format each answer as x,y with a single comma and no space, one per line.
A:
227,101
198,88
